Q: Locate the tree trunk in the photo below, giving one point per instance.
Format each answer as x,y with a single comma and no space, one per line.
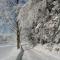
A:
17,1
18,40
18,37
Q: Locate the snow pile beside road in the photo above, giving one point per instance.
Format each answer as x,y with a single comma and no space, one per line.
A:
41,48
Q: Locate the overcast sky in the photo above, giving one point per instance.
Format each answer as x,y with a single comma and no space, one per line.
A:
4,27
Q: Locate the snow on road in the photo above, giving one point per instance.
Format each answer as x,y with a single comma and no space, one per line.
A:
39,48
8,52
38,53
35,55
11,53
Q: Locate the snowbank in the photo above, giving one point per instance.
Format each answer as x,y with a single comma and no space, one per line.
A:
41,48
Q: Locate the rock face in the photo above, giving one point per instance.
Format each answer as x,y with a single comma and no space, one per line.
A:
40,21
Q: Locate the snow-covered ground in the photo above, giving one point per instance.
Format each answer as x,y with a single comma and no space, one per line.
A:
8,52
38,53
54,54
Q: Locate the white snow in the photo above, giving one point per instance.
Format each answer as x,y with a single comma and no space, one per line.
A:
9,52
39,53
13,54
41,48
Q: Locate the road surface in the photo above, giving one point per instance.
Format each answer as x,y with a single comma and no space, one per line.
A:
35,55
10,53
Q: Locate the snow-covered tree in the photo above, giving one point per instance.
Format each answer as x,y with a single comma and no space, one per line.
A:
40,21
8,17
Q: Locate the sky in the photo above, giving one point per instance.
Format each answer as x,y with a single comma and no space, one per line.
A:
5,10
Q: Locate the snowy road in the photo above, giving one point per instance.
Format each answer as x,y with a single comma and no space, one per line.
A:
35,55
8,51
5,51
11,53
